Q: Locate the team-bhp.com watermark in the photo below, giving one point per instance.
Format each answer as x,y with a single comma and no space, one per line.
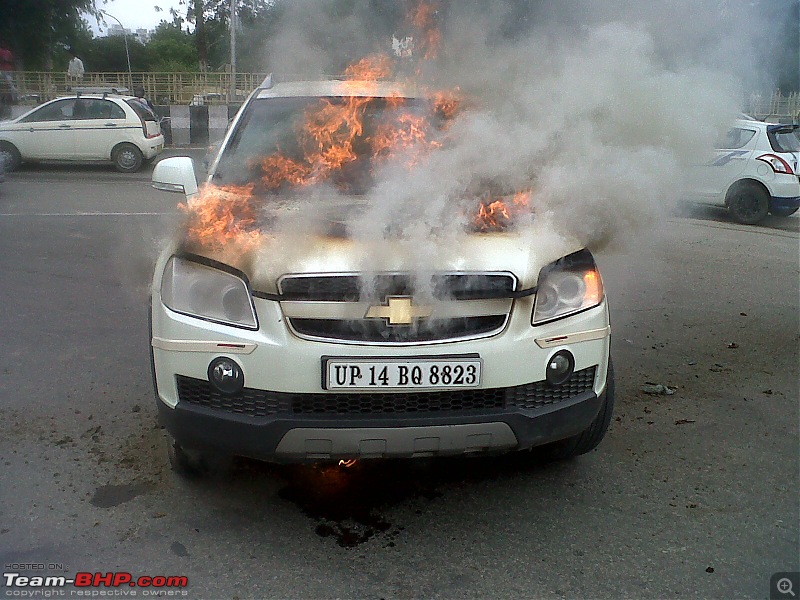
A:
90,585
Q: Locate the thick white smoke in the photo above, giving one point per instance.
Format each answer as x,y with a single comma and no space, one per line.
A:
601,116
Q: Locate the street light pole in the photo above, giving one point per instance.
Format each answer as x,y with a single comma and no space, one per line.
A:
127,54
232,96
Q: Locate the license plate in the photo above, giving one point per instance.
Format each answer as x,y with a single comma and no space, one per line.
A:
432,373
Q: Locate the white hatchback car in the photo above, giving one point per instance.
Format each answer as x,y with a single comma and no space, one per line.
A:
754,172
91,127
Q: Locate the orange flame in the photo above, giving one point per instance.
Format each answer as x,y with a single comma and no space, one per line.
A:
423,17
446,103
330,136
498,214
222,215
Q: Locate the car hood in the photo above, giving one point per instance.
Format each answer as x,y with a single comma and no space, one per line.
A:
522,252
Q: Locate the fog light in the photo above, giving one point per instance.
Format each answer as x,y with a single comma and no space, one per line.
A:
225,375
560,367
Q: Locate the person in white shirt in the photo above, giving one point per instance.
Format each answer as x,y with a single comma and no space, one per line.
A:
75,69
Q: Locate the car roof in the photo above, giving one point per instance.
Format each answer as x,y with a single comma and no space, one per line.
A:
371,89
96,97
750,123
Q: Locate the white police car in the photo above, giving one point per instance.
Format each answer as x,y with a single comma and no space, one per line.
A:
754,171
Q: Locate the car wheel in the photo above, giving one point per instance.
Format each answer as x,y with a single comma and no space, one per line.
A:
194,463
127,158
9,156
589,438
748,203
783,212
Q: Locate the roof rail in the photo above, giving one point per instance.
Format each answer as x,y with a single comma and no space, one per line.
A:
267,83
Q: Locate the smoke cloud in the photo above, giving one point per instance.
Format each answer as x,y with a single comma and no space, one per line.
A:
599,111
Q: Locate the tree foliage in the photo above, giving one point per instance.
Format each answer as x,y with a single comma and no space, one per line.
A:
35,29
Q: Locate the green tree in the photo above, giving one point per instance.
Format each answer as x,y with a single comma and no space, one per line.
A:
108,54
35,29
172,49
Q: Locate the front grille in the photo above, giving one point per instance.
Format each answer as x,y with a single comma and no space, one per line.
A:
256,403
262,403
402,402
377,331
352,288
541,393
376,288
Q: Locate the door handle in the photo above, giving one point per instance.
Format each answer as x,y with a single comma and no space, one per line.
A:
64,126
111,124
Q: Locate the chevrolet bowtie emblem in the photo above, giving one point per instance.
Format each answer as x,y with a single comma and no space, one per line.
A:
399,311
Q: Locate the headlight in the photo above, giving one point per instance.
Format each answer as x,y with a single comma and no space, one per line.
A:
206,292
567,286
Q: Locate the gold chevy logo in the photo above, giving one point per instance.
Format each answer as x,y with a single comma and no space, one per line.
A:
399,311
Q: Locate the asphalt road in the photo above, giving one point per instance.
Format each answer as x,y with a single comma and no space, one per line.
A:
690,495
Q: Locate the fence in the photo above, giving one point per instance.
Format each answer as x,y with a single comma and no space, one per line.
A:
162,88
777,107
214,88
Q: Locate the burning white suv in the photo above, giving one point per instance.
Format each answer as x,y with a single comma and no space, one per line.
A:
294,339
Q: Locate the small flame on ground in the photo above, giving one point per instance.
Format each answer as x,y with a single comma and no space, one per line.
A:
348,463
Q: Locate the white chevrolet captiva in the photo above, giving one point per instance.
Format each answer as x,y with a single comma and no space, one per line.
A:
286,348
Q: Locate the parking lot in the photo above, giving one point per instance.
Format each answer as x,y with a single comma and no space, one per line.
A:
692,494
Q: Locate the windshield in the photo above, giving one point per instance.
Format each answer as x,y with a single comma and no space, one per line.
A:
286,143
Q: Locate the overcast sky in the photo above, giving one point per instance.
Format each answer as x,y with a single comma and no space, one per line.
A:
135,14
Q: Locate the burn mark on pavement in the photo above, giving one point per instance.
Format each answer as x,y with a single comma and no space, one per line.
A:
350,504
108,496
178,549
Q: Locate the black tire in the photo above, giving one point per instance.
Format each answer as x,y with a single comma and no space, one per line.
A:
783,212
748,202
127,158
195,464
589,438
10,156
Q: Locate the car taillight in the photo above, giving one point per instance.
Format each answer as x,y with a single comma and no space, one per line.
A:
149,136
777,163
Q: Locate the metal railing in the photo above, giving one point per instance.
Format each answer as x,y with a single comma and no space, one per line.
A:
775,107
215,88
34,87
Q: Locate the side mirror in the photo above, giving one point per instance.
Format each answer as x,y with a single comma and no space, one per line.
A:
175,174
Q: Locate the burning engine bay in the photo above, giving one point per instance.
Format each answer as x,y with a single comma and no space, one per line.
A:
297,185
299,165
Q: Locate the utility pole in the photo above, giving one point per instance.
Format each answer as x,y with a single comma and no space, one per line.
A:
232,96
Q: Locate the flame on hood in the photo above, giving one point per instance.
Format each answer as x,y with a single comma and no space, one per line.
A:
331,144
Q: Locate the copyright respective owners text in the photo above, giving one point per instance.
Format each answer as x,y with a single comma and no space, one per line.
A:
54,580
784,585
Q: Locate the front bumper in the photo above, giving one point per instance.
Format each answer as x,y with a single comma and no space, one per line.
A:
287,416
293,439
783,204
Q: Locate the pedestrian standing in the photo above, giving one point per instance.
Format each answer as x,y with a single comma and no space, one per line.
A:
75,69
8,92
138,91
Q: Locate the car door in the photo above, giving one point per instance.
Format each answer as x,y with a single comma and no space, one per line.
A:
47,133
99,125
728,162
